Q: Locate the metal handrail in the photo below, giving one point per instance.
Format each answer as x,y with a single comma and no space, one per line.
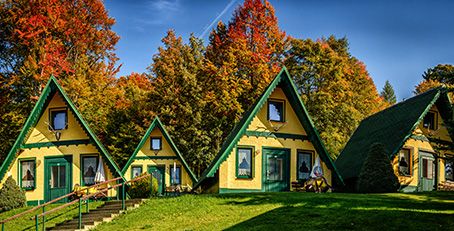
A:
52,201
88,196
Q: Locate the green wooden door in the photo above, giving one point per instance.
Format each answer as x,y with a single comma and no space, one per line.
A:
427,171
159,174
276,170
57,180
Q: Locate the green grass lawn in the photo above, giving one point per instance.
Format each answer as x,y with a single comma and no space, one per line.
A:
292,211
276,211
24,222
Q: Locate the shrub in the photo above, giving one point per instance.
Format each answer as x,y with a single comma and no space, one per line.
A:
11,195
141,188
377,175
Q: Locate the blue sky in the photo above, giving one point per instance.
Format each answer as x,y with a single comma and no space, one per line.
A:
397,40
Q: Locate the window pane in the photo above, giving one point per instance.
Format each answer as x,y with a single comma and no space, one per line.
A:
245,162
89,170
155,144
59,120
157,176
271,168
275,111
28,174
175,176
304,165
54,176
404,162
424,168
279,168
429,120
62,176
448,170
136,171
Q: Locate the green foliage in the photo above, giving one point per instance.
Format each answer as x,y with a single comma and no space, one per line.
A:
377,175
178,97
141,188
441,73
11,195
388,94
334,86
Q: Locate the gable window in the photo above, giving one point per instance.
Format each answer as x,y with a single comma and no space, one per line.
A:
448,170
156,143
27,174
304,165
405,161
59,119
276,110
244,159
136,171
175,175
430,120
89,166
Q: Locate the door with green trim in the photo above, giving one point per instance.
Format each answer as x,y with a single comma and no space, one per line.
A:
159,174
427,171
276,169
57,172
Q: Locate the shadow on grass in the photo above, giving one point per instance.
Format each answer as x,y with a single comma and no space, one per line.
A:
305,211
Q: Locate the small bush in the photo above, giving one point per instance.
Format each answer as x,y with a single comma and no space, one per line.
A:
377,175
11,196
141,188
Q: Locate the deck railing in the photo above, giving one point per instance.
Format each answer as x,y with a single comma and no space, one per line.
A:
102,190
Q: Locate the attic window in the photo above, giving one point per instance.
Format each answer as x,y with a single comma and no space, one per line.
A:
59,118
276,110
156,143
430,120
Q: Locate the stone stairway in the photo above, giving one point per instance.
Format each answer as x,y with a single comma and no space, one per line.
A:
104,213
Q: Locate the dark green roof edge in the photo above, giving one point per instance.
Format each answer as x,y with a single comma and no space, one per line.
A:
157,122
240,128
53,84
415,125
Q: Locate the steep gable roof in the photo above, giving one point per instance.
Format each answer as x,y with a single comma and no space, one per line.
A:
283,81
48,93
391,127
157,123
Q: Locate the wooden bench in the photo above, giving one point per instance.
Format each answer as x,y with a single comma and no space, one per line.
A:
299,186
446,186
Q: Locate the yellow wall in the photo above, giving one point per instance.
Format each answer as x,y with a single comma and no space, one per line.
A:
227,177
167,163
416,145
40,134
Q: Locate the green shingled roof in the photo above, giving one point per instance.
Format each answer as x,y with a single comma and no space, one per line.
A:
157,123
49,91
283,81
391,127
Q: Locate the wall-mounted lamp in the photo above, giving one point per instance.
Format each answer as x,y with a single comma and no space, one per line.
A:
257,152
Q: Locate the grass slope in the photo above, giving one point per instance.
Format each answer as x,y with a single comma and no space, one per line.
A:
292,211
24,223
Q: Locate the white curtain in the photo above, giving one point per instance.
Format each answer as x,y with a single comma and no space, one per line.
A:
100,175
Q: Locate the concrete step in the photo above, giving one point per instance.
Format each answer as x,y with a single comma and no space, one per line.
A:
104,213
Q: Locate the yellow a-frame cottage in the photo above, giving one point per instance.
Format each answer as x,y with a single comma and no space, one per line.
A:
56,150
409,130
274,144
157,154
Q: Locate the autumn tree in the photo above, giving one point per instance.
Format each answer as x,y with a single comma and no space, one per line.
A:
334,86
129,117
243,57
178,97
387,93
436,76
71,40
